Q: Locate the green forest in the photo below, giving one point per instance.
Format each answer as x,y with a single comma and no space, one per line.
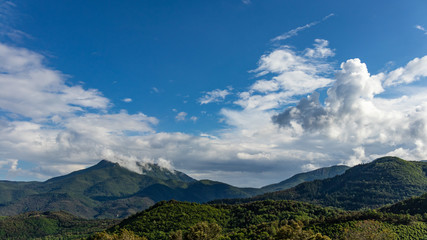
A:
384,199
266,219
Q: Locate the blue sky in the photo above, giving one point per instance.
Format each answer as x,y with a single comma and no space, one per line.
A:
225,90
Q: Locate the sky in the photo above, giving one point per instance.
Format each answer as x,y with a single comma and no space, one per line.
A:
247,92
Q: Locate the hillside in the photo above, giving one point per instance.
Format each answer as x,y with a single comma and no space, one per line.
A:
414,205
108,190
383,181
318,174
58,225
264,220
268,219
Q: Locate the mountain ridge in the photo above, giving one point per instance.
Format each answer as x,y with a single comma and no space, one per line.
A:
383,181
109,190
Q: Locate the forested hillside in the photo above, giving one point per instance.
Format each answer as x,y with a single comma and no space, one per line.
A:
372,185
265,220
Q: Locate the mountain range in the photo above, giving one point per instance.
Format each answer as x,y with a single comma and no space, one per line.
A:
108,190
384,181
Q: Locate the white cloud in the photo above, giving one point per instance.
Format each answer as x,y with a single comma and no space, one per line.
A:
58,127
294,73
355,117
421,28
156,90
321,50
246,1
29,89
294,32
11,163
194,118
181,116
354,123
413,71
127,100
216,95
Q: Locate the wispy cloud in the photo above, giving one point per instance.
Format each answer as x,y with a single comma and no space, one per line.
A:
421,28
155,90
181,116
295,31
127,100
246,1
216,95
7,13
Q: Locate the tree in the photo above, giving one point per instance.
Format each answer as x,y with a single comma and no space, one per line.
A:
204,231
368,229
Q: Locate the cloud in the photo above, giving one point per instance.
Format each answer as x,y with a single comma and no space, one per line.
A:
421,28
321,50
299,113
295,31
127,100
355,116
413,71
29,89
58,127
194,118
246,2
216,95
181,116
155,90
7,17
293,73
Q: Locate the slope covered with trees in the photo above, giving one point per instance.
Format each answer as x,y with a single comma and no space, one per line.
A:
265,220
108,190
51,225
318,174
383,181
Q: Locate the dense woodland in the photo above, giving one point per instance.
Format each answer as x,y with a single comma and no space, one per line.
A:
266,220
365,202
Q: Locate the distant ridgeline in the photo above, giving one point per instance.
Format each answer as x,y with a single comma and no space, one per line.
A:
108,190
372,185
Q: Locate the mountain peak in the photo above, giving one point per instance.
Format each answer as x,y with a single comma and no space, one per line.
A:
106,163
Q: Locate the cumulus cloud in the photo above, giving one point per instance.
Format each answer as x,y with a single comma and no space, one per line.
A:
354,115
320,50
413,71
127,100
297,115
293,73
29,89
57,126
216,95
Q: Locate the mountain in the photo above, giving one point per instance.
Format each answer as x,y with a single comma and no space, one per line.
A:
108,190
383,181
318,174
414,205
